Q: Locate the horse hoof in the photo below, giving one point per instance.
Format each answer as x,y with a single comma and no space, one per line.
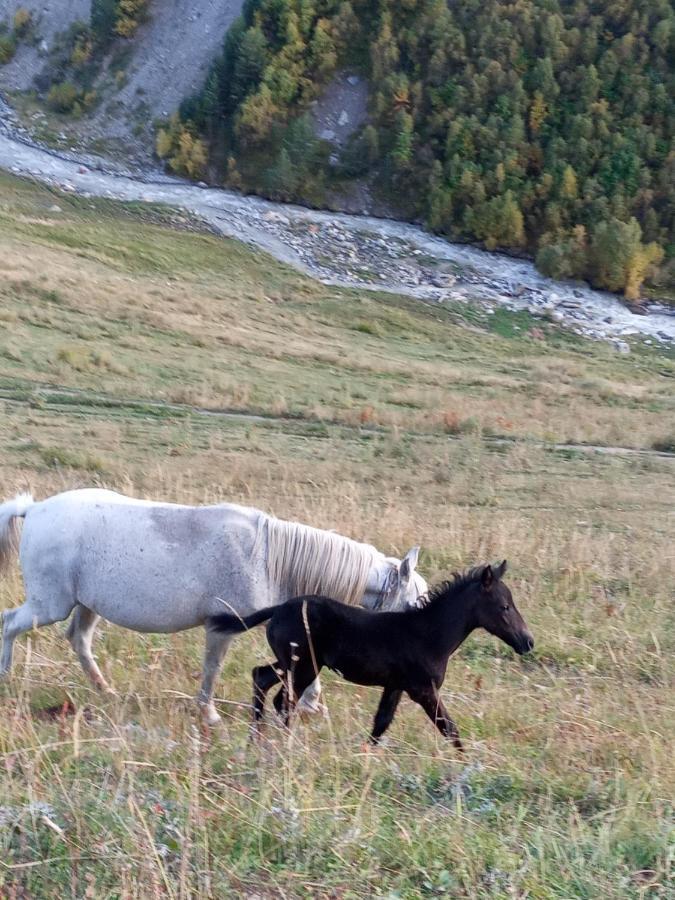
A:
209,715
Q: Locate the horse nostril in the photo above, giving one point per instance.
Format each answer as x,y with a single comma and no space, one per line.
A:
529,643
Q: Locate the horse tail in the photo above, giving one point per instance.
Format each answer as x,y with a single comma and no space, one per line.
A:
237,624
10,512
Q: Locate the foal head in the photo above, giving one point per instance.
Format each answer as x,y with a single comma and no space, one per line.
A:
497,613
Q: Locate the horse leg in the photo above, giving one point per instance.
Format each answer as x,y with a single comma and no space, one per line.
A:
385,713
430,701
264,677
216,648
80,633
23,618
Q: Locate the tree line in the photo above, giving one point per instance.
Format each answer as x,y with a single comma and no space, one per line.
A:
535,126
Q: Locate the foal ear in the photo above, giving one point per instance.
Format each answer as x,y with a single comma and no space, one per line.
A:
408,563
501,570
487,577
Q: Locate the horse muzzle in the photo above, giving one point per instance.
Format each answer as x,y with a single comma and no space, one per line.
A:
526,644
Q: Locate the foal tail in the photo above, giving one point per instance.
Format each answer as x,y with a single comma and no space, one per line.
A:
10,513
237,624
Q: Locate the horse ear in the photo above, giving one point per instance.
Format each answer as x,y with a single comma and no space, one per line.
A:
408,563
487,577
501,570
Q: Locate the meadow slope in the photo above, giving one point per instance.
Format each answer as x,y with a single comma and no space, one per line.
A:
375,414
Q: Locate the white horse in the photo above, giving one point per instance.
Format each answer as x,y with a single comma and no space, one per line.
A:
163,567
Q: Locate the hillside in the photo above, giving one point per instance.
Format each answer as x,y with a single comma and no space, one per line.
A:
531,126
539,128
134,79
140,353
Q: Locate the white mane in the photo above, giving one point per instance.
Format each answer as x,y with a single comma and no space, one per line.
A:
306,560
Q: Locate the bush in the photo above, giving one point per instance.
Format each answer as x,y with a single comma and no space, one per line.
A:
665,444
7,48
63,98
103,19
22,22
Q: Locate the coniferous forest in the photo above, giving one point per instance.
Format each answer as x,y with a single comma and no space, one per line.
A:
534,126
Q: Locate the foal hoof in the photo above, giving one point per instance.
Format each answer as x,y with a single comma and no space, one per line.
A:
311,709
369,748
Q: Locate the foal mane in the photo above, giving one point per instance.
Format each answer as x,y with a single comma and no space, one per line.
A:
446,590
307,560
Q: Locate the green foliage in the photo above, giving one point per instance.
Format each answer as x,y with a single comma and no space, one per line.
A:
22,22
619,259
296,172
7,48
184,153
130,14
517,125
110,18
103,20
63,97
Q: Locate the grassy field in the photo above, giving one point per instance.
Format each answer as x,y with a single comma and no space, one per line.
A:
122,331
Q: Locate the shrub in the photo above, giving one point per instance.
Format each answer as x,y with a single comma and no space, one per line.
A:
63,98
184,153
7,48
130,14
22,22
665,444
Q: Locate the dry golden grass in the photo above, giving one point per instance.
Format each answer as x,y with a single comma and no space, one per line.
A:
566,790
141,311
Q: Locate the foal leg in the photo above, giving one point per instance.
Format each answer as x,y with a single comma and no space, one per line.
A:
285,700
264,677
216,648
29,615
80,633
385,713
430,701
310,700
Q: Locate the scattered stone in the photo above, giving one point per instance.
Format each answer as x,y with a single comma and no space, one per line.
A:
622,347
353,80
442,279
327,134
272,216
344,118
55,209
202,184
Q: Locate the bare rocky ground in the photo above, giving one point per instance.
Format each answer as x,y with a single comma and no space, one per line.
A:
351,251
50,17
168,60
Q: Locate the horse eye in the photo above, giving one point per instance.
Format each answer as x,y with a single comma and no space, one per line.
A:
505,608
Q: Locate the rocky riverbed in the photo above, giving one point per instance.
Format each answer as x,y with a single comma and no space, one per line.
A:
347,250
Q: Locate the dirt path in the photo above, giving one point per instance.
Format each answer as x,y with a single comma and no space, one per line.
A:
62,397
352,251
